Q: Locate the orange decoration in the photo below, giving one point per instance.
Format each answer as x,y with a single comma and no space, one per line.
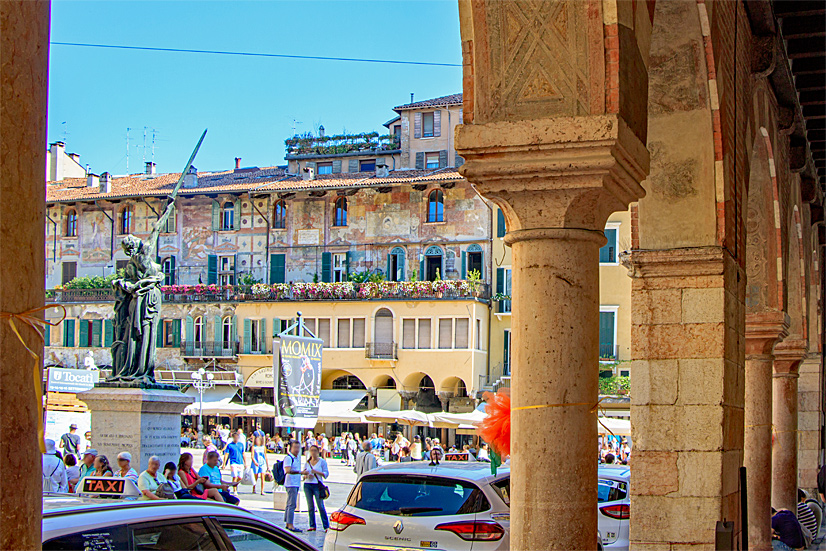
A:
496,428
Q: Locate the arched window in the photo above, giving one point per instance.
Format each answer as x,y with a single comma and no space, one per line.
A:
226,332
341,212
71,223
280,215
169,271
125,221
382,346
199,330
436,206
228,216
395,264
348,382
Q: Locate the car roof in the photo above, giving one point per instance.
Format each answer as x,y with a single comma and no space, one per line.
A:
465,470
57,505
615,471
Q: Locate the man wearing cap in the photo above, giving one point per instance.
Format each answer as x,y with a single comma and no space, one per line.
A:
70,442
87,466
54,471
126,470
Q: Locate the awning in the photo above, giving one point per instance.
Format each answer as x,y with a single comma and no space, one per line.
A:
339,411
222,408
617,427
214,394
407,417
454,420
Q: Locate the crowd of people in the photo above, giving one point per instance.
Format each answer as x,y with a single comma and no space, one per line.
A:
614,450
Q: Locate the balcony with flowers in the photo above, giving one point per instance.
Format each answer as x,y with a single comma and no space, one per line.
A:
309,145
300,291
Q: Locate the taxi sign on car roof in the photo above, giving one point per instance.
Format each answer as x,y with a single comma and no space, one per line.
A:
107,486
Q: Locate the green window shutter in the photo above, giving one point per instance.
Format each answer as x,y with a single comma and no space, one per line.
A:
353,165
176,333
276,328
506,350
69,333
417,125
389,266
608,252
500,280
458,161
400,262
337,167
437,124
247,336
347,263
464,265
326,267
262,335
420,160
234,331
236,216
500,223
606,334
235,270
97,333
189,336
216,215
84,333
443,158
421,270
159,335
172,271
47,335
219,325
212,269
278,268
482,262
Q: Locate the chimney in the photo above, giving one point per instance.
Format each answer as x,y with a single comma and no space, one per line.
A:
382,171
237,163
150,168
105,183
92,180
75,157
321,130
56,151
308,174
411,97
191,178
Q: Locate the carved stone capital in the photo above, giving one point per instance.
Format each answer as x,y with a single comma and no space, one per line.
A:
788,355
408,394
675,263
764,330
562,172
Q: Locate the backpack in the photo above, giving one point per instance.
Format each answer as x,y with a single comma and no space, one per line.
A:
278,473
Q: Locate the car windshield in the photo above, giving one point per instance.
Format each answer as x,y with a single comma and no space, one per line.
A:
611,490
417,496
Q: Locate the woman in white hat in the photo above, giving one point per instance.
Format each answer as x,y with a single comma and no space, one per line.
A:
126,470
54,471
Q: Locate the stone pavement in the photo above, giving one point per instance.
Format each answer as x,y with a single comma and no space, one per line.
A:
340,482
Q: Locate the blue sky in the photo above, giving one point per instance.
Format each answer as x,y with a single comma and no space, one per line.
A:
248,103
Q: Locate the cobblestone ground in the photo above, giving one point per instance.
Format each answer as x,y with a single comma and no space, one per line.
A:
340,482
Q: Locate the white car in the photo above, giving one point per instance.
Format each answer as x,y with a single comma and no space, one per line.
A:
454,506
99,524
411,506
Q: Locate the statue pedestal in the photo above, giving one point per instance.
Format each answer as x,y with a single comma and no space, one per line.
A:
141,421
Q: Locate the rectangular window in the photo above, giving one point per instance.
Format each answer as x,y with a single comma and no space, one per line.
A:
226,270
431,160
478,334
409,333
324,168
367,165
121,265
607,348
69,271
91,333
339,267
462,332
427,125
506,357
608,253
172,333
324,332
424,333
474,262
169,227
68,333
445,333
503,289
255,336
344,333
358,333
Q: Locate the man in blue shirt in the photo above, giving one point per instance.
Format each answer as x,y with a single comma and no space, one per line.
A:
212,472
234,451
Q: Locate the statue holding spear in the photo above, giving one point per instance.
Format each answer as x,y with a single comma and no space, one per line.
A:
138,301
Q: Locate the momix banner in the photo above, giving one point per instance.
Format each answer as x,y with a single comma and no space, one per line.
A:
297,374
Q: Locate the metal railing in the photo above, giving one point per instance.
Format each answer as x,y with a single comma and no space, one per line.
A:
387,290
503,382
208,349
608,351
381,351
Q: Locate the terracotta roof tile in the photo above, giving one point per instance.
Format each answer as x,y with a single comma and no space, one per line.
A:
272,179
453,99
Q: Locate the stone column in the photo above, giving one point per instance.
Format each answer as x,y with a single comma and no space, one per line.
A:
557,181
763,332
788,356
444,398
24,57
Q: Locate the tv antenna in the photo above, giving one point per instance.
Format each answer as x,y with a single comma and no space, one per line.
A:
295,124
127,150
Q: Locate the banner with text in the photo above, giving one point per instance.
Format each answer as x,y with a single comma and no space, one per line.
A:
297,376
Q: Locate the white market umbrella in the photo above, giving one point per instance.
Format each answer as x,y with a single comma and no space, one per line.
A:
260,410
224,409
457,420
617,427
339,411
407,417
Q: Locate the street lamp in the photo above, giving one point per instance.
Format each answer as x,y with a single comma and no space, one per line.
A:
202,380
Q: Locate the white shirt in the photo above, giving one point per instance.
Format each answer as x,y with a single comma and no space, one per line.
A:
54,474
321,467
483,454
293,479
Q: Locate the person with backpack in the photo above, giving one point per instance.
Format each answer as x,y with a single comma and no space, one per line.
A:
292,482
54,471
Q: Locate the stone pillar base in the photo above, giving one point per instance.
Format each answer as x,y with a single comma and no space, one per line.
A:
143,422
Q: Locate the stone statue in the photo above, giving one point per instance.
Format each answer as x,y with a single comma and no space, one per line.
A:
138,302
